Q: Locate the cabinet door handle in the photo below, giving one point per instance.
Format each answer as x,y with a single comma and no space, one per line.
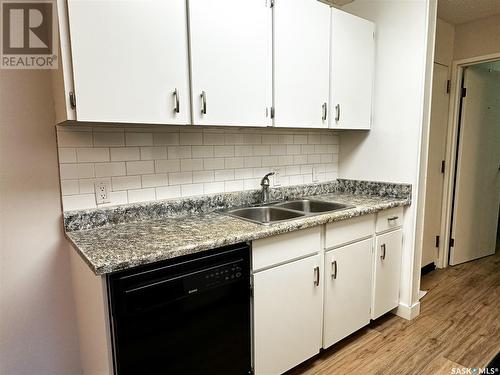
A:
392,218
177,107
316,276
382,256
203,103
325,111
334,269
337,112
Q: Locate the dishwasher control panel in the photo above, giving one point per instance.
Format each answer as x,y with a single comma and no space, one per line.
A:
215,276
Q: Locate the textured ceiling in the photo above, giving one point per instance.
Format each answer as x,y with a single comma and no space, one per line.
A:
462,11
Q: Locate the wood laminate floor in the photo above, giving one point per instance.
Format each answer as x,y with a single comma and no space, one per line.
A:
459,326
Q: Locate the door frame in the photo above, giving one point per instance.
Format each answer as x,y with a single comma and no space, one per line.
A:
457,70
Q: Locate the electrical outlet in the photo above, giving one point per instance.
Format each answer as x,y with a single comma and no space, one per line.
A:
315,176
276,177
102,190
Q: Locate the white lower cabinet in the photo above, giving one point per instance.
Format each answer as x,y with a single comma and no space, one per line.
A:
386,272
348,283
287,315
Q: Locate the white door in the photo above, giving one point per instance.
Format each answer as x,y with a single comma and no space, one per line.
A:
387,272
301,63
477,190
352,67
348,283
435,176
130,61
287,315
231,62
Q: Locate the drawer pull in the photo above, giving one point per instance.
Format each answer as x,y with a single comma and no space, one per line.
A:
334,269
316,274
382,256
393,218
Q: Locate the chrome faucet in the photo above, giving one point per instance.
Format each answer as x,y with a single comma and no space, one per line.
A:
265,187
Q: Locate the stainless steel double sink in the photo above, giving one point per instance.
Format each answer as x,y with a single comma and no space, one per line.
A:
278,212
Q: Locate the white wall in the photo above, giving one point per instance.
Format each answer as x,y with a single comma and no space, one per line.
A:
37,320
391,150
477,38
145,163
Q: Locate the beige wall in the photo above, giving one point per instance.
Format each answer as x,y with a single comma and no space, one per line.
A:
477,38
445,41
37,323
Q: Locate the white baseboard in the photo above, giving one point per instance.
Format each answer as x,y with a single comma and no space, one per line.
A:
407,312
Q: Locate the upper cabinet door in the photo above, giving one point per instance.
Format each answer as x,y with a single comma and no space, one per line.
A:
230,62
130,60
352,65
301,63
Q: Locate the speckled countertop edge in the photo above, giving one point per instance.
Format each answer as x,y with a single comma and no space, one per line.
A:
122,246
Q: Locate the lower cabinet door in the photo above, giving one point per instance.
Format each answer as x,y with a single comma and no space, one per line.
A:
348,278
287,315
387,272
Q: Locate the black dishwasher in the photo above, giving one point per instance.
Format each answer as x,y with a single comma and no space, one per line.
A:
186,316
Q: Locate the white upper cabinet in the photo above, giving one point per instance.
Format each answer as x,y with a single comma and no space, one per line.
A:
130,61
230,62
301,63
352,70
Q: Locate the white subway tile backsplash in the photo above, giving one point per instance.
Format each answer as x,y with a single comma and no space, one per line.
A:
109,139
140,167
164,166
150,163
235,185
67,138
213,163
168,192
213,187
153,153
110,169
73,171
188,165
166,138
86,155
223,151
78,202
154,180
139,139
179,152
125,153
203,176
203,151
126,183
141,195
70,187
191,189
180,178
191,138
224,175
67,155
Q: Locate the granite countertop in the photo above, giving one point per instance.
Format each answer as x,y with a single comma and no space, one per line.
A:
121,246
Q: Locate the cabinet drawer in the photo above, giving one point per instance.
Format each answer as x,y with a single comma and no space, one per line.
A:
285,247
389,219
345,231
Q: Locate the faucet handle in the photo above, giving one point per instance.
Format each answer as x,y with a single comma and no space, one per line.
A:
265,179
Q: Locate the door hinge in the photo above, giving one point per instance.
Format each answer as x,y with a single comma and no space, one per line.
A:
452,242
251,290
443,165
437,241
72,99
251,371
448,86
464,92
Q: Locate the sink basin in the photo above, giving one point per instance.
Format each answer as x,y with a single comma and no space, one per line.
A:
310,206
265,215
